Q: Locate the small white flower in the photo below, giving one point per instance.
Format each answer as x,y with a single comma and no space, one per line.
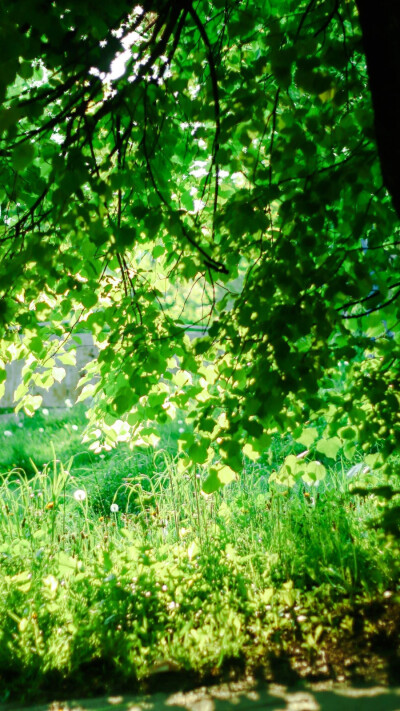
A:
7,433
20,424
102,456
45,411
181,429
79,495
114,508
41,429
74,427
164,588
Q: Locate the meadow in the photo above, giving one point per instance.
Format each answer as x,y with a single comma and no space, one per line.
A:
116,568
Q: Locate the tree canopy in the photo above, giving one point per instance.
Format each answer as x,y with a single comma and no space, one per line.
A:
210,163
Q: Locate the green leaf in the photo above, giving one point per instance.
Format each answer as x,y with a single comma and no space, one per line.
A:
349,450
314,472
308,437
198,452
219,476
22,156
58,374
66,564
329,447
158,251
348,433
290,471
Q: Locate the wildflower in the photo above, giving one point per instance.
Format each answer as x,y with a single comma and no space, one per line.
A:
79,495
173,605
41,429
181,429
114,508
8,433
50,505
101,518
74,427
45,411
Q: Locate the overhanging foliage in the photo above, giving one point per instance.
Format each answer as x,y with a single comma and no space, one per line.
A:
225,175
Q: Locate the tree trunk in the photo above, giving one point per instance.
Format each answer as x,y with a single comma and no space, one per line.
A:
380,24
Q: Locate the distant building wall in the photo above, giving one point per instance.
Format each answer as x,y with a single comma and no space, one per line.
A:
67,389
59,392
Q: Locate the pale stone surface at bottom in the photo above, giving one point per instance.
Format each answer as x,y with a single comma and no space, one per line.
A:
243,696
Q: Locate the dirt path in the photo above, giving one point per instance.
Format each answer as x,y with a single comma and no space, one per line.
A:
244,696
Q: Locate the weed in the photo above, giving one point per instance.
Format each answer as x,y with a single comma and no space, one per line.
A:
123,562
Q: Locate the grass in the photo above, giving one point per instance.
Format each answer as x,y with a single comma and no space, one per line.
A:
119,564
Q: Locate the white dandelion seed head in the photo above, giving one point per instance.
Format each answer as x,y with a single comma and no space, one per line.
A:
79,495
114,508
173,605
